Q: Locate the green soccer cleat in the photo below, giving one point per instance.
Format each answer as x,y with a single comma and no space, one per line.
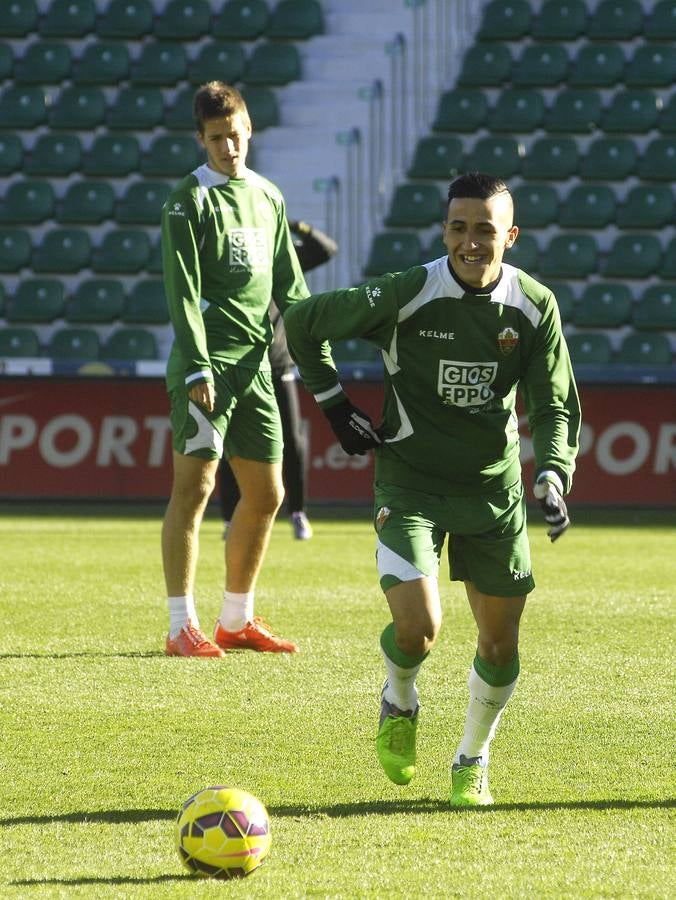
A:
395,743
469,784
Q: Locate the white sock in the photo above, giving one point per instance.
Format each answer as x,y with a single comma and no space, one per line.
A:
181,611
400,689
237,610
485,708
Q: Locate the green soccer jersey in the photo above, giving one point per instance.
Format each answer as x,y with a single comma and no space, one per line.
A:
226,250
452,363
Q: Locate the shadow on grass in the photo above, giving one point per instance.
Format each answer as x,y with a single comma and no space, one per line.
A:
340,810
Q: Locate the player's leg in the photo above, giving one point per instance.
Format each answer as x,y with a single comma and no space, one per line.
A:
228,493
295,453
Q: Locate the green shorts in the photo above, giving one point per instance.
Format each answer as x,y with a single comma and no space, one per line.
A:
245,421
488,540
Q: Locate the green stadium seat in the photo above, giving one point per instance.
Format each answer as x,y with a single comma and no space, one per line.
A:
632,111
393,252
588,206
96,300
461,109
22,107
74,344
129,19
660,24
415,206
87,202
18,342
11,153
262,105
69,18
633,256
160,63
27,202
18,19
505,21
517,110
142,203
590,348
617,20
55,155
656,309
565,299
242,20
354,351
597,65
541,65
37,300
112,155
652,65
536,205
611,159
122,250
524,254
659,160
183,20
554,158
574,110
136,108
102,62
295,20
78,108
43,62
154,266
272,63
667,119
647,206
146,304
500,156
2,299
6,61
62,250
178,114
604,305
130,344
221,59
644,350
668,267
172,155
485,64
560,20
436,156
15,249
569,256
435,248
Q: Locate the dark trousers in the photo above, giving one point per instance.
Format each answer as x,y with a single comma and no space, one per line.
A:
293,460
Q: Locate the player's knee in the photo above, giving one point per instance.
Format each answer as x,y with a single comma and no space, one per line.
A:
498,650
417,639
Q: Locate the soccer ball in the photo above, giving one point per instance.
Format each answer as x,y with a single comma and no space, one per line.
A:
222,832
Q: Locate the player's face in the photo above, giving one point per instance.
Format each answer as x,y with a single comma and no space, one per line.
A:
476,234
226,140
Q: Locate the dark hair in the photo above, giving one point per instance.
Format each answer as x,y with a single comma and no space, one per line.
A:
215,100
477,185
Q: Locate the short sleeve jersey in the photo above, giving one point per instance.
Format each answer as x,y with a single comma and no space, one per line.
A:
226,250
452,364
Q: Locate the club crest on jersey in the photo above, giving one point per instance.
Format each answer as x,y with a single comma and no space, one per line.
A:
248,248
464,384
382,517
507,340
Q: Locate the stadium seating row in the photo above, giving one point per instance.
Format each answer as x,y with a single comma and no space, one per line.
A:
177,20
68,250
81,344
520,111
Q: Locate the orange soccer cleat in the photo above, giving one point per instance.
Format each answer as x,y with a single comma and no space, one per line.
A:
190,641
255,635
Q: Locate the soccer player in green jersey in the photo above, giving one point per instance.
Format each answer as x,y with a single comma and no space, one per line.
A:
226,250
458,336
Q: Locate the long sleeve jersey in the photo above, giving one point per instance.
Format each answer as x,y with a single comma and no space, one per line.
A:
226,250
452,364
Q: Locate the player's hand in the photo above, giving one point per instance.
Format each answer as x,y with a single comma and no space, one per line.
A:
551,502
353,428
204,395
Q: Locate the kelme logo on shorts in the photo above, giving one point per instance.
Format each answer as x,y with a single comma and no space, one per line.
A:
466,383
248,248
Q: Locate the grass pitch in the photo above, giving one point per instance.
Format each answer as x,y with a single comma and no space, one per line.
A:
102,737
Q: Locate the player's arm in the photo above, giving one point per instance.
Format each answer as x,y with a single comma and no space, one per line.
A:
181,228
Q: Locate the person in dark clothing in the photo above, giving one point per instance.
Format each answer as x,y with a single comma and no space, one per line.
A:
314,248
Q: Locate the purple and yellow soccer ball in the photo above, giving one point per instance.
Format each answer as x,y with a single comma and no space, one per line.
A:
222,832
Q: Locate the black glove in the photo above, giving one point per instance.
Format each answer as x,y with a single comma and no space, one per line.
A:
548,490
353,428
